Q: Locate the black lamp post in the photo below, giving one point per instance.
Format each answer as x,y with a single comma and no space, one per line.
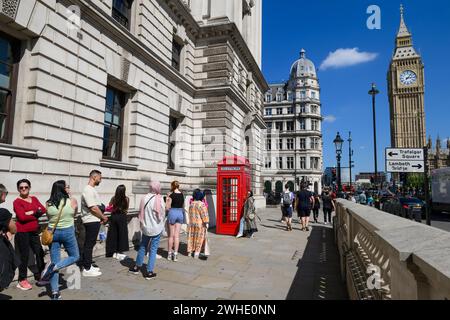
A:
338,142
350,155
373,92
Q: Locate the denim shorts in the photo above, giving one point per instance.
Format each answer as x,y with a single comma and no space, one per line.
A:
176,215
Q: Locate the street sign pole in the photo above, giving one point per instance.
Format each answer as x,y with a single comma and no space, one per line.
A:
427,187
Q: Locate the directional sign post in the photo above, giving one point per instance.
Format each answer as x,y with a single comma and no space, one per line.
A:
405,160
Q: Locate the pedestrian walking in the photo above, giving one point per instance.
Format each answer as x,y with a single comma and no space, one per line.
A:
287,201
175,206
304,202
61,211
117,239
152,218
328,206
28,210
316,207
198,224
92,216
250,216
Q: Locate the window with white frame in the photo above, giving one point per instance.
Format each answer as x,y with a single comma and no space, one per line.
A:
268,111
314,163
268,98
302,162
279,111
314,109
290,144
279,126
290,163
302,108
268,144
280,163
280,144
302,144
302,124
314,125
290,110
279,97
268,163
290,126
269,125
290,96
315,143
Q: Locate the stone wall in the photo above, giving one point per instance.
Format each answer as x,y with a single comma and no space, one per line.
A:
386,257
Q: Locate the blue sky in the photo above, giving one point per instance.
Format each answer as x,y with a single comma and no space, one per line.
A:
324,26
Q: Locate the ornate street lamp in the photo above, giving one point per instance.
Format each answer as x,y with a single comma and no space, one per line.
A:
373,92
338,142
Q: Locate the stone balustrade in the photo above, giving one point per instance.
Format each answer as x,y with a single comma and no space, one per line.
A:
385,257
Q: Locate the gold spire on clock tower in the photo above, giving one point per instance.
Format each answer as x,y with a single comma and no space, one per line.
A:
406,88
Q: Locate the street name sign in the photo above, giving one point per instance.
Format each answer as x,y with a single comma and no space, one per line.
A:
405,160
399,166
405,154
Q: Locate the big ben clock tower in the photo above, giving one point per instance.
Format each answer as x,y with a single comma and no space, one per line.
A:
406,84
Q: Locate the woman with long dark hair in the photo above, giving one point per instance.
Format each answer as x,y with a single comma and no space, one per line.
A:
28,210
61,211
117,238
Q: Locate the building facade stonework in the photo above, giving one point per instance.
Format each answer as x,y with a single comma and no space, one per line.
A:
438,155
140,90
406,89
292,113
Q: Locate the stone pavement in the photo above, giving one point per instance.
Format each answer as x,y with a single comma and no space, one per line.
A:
275,264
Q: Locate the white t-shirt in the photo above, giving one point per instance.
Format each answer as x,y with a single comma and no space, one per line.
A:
89,199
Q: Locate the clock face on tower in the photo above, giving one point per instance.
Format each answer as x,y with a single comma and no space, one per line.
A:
408,77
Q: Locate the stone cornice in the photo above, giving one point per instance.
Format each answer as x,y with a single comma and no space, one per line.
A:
230,31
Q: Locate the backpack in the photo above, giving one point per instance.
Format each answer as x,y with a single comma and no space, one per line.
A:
287,199
7,262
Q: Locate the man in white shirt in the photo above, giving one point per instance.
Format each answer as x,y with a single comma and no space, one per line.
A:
92,216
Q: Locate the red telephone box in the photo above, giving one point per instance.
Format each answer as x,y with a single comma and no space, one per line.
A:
233,183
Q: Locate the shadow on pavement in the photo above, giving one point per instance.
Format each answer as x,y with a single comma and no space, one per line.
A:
318,274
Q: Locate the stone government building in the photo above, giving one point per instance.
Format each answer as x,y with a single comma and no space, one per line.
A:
141,90
294,130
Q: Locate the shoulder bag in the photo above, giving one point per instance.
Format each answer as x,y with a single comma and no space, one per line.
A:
47,236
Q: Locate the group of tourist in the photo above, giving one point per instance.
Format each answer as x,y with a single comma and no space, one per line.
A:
155,215
304,202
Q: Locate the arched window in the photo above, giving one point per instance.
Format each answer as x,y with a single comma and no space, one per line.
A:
291,186
279,187
267,186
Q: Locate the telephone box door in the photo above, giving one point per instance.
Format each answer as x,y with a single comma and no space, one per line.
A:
230,203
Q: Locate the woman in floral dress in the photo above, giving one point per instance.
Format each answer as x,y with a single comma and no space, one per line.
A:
198,224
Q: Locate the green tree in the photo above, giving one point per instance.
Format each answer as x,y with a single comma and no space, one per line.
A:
415,180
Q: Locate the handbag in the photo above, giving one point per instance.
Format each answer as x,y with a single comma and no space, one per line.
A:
47,236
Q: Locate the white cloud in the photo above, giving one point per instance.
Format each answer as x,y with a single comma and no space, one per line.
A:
330,118
346,57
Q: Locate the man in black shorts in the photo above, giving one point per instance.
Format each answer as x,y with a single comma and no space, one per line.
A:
304,201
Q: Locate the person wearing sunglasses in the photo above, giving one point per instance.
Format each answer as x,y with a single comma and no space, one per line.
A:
28,210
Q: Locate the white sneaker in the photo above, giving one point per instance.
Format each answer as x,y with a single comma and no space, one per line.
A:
120,256
91,273
95,268
158,256
169,256
239,235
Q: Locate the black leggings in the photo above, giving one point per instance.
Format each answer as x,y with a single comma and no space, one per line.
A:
24,241
316,214
117,239
327,212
